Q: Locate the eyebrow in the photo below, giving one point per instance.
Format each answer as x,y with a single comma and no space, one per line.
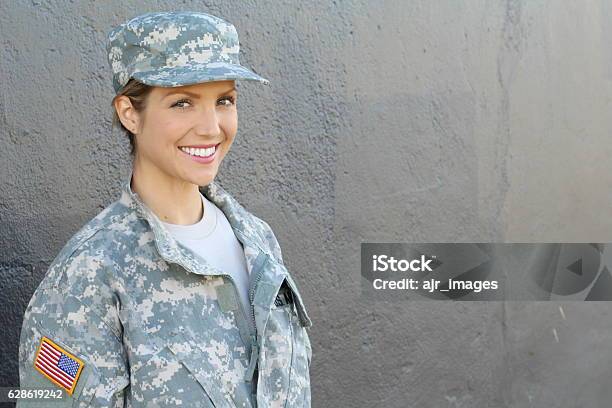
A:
195,95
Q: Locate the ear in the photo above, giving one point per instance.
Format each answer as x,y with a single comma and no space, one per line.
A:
128,116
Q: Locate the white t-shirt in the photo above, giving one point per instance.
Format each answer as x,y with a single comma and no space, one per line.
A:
213,239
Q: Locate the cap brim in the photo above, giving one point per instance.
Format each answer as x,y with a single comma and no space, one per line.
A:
196,73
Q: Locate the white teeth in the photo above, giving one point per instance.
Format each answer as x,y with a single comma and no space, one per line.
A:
199,152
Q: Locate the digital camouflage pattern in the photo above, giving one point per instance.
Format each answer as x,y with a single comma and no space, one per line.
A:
175,48
157,326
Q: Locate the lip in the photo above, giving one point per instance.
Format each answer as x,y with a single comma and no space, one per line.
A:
202,146
202,160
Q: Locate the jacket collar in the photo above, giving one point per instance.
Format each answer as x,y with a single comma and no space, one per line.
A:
171,250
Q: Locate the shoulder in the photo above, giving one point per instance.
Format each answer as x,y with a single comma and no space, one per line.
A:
81,281
268,237
90,256
263,231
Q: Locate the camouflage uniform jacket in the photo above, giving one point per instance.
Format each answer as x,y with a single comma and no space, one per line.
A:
153,324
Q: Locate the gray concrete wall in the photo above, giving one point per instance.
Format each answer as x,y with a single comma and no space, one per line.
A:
432,121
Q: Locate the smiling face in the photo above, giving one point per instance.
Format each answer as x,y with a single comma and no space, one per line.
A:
185,132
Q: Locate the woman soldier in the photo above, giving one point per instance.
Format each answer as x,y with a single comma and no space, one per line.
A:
173,295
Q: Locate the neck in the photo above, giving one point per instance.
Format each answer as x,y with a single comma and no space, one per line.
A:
173,200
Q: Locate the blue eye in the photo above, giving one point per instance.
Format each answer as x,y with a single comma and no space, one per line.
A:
231,100
177,104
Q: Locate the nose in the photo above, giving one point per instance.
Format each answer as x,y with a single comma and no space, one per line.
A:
207,124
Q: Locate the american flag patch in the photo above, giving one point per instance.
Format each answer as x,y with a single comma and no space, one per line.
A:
55,363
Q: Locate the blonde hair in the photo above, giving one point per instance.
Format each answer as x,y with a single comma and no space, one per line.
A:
137,92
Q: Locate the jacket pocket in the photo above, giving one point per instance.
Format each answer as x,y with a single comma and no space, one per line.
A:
299,309
299,391
285,358
299,303
180,373
166,380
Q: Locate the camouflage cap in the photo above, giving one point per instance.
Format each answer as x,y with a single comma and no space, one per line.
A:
175,48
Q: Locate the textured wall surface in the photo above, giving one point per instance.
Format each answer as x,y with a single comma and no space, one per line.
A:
432,121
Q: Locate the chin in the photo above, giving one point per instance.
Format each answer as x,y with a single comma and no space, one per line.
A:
203,181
